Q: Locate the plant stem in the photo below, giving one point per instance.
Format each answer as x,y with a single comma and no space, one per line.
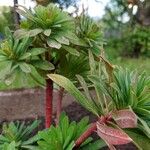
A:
49,106
59,104
85,135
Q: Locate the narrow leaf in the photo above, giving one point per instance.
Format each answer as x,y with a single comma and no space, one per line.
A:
141,141
71,50
43,65
69,86
37,51
25,56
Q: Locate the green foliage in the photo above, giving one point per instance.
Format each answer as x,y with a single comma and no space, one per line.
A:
6,18
129,89
50,25
127,34
70,87
64,135
18,58
75,65
96,145
91,34
17,136
142,142
116,89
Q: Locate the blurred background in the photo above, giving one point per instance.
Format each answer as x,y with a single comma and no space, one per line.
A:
125,24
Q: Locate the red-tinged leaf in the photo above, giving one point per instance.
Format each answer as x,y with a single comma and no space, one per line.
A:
125,118
112,135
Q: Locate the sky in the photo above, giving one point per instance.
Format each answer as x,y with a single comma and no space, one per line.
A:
95,9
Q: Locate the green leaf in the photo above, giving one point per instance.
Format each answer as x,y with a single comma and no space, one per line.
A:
31,140
37,77
69,86
25,67
82,126
3,58
5,68
30,147
84,86
141,141
35,32
37,51
94,145
144,127
20,33
92,63
43,65
62,40
70,134
71,50
25,56
53,44
47,32
11,146
9,79
75,40
71,145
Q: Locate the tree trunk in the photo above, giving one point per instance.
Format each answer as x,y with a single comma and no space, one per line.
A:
137,50
16,15
59,104
49,100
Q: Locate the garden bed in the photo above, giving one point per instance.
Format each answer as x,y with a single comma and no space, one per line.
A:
75,113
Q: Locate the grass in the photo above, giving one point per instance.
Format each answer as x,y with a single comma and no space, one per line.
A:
141,64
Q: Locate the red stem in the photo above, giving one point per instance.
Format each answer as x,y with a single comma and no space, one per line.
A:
49,106
59,104
85,135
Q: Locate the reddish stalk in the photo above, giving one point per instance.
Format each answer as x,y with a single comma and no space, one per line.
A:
59,104
49,106
85,135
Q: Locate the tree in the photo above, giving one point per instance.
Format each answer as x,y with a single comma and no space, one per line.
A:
62,3
125,35
16,15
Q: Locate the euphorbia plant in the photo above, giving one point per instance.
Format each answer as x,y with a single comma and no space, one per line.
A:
55,30
63,136
115,106
16,135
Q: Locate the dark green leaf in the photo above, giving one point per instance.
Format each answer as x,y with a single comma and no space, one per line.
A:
37,51
71,50
43,65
